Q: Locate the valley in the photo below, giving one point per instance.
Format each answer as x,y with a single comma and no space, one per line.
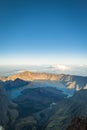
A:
42,101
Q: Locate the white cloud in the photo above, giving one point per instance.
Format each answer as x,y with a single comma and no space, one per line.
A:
62,67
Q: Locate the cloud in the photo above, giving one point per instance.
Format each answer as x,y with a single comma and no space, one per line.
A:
62,67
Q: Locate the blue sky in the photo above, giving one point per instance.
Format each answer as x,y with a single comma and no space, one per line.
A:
43,32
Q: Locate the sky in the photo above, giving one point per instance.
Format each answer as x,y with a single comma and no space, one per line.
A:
43,32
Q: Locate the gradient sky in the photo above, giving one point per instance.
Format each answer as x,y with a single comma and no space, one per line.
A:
43,32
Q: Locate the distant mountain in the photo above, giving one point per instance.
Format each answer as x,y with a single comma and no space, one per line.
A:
27,75
70,81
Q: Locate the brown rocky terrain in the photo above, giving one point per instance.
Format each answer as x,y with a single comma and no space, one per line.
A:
27,75
78,124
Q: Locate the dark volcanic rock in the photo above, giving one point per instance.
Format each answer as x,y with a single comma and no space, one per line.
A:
78,124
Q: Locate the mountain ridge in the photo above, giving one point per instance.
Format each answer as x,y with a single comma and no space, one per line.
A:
28,75
70,81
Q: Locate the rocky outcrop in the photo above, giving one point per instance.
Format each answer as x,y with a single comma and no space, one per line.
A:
78,124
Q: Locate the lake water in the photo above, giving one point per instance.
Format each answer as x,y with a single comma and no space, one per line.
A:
17,92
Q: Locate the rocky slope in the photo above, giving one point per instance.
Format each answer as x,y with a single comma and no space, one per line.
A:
78,124
17,83
58,116
8,112
68,109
